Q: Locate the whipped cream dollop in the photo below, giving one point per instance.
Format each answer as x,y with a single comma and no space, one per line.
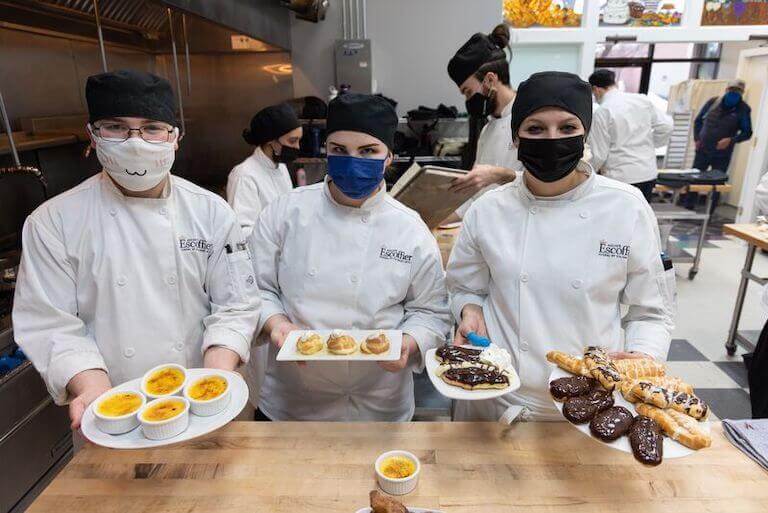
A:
496,356
337,333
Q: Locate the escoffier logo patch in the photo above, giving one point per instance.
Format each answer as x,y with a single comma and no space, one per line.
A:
613,250
395,254
200,245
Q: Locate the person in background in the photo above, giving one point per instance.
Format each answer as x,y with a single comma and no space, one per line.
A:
481,71
134,267
722,123
343,254
262,177
626,130
580,249
255,183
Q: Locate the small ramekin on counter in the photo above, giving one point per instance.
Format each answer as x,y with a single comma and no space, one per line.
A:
400,486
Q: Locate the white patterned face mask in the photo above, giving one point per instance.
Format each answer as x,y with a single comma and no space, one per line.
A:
135,164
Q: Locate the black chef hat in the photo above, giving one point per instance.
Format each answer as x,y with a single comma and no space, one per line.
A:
477,51
552,89
372,115
130,93
603,78
271,123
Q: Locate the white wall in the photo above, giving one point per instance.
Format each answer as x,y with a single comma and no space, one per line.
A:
729,57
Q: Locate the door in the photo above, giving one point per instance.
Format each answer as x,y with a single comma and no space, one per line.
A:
750,159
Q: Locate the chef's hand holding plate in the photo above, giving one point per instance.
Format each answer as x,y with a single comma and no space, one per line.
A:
278,327
409,347
84,388
471,320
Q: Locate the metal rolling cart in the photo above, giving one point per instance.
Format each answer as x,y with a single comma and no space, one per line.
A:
677,183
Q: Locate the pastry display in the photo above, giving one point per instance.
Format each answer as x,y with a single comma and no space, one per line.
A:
207,388
602,368
568,363
120,404
583,408
632,368
310,343
457,354
677,426
611,424
646,440
381,503
341,343
663,398
563,388
375,344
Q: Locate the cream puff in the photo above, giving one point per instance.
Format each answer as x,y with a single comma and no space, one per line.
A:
340,343
309,343
375,344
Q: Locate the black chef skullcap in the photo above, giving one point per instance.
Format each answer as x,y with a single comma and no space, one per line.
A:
130,93
480,49
552,89
372,115
271,123
603,78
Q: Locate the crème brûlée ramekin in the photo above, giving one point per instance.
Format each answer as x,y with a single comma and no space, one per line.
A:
209,394
164,418
164,380
397,486
116,411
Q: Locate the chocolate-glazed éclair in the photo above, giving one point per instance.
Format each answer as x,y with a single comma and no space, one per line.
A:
646,440
457,354
583,408
571,386
611,424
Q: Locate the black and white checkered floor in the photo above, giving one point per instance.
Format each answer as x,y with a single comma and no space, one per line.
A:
705,305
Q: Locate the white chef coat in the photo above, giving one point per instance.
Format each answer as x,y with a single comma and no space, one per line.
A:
495,148
551,274
325,266
123,284
253,184
626,130
761,196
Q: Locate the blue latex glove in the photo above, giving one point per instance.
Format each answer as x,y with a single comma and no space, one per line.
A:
477,340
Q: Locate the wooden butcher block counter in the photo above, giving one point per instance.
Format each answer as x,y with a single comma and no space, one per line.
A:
466,467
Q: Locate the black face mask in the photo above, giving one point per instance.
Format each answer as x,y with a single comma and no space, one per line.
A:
287,155
478,105
549,160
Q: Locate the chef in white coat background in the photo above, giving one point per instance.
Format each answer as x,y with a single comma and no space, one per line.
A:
255,183
344,254
134,267
481,72
626,130
263,176
545,262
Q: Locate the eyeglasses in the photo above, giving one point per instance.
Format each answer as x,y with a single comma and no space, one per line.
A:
119,132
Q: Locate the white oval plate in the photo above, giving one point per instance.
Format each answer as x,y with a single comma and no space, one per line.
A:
672,449
198,426
289,353
459,393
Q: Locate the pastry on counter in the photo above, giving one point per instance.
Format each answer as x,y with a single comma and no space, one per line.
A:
568,363
632,368
677,426
571,386
611,423
660,397
341,343
601,367
381,503
375,344
310,343
473,377
457,354
646,440
583,408
668,382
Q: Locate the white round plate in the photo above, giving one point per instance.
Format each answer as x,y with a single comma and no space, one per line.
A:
198,426
459,393
672,449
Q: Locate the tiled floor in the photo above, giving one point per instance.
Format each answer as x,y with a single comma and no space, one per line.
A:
705,305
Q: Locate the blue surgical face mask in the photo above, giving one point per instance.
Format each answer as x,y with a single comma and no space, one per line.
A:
355,177
731,99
